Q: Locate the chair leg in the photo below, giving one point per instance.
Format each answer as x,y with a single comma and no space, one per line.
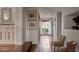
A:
54,48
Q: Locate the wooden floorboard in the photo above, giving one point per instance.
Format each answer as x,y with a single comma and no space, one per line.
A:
17,48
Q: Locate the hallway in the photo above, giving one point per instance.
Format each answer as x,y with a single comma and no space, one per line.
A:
44,44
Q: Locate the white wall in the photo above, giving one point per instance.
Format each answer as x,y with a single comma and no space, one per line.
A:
22,33
68,22
17,20
59,15
24,25
71,35
18,23
57,24
66,30
29,35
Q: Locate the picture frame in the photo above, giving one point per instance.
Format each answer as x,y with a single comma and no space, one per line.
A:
6,15
31,25
32,15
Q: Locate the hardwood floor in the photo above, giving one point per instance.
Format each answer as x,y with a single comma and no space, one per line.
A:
44,44
10,48
26,47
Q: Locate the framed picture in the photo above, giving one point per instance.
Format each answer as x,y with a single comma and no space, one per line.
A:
32,15
6,15
31,25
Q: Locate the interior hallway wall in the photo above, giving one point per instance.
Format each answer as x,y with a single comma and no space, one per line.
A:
18,25
30,35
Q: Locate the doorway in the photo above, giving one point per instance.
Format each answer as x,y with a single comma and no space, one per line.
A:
45,36
45,28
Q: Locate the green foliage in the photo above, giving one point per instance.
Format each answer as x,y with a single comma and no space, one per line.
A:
45,30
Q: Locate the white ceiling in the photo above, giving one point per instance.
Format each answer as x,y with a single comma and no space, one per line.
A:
46,12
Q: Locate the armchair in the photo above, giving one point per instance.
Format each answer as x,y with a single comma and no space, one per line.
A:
59,43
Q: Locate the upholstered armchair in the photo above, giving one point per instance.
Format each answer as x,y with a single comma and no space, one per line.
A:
70,47
59,43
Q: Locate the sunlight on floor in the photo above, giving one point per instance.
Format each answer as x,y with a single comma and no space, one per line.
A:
45,44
